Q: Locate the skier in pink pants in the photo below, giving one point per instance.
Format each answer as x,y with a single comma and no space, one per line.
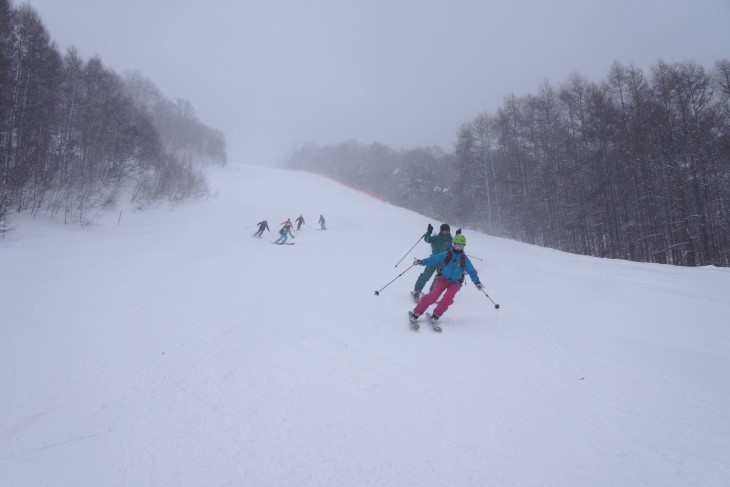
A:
450,278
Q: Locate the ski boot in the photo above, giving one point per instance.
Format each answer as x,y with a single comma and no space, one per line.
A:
434,319
413,318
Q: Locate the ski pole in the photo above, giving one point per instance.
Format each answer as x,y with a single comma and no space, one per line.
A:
477,258
414,246
377,293
496,306
251,227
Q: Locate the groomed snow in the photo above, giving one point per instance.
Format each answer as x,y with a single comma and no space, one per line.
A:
173,349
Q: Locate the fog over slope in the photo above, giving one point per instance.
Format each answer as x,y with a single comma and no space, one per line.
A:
175,349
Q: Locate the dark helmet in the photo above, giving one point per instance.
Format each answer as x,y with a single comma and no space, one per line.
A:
445,228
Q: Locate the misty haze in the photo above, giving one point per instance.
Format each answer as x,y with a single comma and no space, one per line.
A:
380,243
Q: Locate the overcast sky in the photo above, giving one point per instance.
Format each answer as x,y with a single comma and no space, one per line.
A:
274,73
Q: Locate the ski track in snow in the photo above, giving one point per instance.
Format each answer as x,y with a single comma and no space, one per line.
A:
174,349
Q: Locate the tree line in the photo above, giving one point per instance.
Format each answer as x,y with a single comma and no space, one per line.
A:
74,134
636,166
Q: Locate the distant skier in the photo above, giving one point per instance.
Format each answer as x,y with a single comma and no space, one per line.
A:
321,223
263,225
284,234
299,221
439,243
450,278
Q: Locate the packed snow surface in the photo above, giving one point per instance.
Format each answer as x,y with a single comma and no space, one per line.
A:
169,347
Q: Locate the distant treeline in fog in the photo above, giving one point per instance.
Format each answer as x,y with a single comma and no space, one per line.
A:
634,167
73,134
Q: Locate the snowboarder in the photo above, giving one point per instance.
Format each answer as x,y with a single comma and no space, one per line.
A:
321,223
284,234
299,221
263,225
439,243
450,279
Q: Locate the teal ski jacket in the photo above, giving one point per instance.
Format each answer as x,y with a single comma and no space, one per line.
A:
439,242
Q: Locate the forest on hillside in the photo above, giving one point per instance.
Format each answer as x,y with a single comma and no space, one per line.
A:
635,166
74,135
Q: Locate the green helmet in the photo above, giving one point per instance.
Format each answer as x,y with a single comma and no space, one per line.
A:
459,239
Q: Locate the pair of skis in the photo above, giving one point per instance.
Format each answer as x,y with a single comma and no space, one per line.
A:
414,323
416,326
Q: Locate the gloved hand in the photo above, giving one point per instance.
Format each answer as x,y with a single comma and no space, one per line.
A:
458,232
480,286
416,261
429,229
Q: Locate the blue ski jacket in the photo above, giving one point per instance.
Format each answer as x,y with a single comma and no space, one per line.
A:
452,271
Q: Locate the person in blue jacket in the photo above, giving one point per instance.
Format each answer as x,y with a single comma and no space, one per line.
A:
450,278
439,243
284,234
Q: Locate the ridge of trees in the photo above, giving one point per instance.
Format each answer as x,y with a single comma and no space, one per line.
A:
74,134
634,167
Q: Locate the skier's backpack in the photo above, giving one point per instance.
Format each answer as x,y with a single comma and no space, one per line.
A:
463,264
